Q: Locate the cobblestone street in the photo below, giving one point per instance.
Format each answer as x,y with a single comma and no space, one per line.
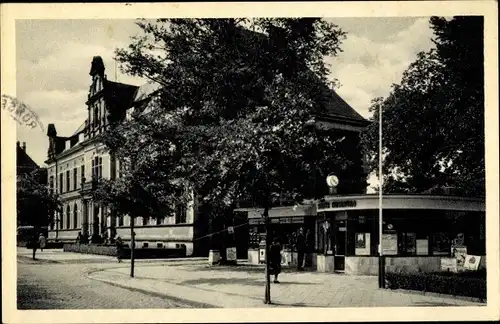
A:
47,285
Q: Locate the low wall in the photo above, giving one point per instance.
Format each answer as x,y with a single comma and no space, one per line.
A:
138,253
369,265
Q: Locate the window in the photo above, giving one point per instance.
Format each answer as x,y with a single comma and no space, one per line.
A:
61,182
97,167
75,214
68,188
407,244
75,179
120,220
51,184
82,172
68,216
96,116
145,221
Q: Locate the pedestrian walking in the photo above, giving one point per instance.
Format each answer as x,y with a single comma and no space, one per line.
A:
79,238
42,241
275,258
119,249
33,244
300,246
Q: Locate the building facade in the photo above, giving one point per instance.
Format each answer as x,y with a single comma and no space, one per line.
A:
77,161
419,232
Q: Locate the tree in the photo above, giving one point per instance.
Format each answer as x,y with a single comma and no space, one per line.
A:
144,187
36,203
238,106
433,121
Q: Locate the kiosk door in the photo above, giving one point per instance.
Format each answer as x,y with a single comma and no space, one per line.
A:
340,249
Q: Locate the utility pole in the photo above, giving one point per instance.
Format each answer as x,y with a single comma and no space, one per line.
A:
381,260
132,245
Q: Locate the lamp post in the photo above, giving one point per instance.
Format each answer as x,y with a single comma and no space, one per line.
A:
381,259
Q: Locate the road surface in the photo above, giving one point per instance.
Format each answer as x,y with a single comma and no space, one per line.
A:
48,285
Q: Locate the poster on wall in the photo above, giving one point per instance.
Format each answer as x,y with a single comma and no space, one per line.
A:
472,262
449,264
460,253
390,244
362,244
231,254
441,244
422,247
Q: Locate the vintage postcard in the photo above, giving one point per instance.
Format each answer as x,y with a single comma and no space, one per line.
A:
248,162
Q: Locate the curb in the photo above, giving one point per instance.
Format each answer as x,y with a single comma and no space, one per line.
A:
440,295
194,304
37,259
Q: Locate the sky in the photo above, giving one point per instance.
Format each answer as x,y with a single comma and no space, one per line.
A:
53,62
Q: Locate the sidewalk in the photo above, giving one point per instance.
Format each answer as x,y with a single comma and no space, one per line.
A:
59,256
243,287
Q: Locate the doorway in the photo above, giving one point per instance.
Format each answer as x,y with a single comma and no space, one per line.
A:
340,247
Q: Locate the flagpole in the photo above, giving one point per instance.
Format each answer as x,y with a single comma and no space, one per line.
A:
381,272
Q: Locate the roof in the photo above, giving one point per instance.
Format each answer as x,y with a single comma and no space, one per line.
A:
24,162
80,129
144,91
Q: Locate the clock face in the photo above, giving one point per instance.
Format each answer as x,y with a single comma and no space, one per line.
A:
332,181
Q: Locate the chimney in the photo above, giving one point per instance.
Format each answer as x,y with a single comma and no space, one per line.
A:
24,146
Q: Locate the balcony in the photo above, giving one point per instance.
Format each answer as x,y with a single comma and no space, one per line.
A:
88,186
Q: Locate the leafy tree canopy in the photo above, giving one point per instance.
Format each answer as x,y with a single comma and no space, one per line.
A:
433,121
235,116
36,204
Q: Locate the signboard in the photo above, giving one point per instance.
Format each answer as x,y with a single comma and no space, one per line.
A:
472,262
460,253
337,204
362,244
390,244
449,264
422,247
231,254
297,219
343,204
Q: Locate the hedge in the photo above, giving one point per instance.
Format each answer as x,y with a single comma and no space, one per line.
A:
469,283
110,250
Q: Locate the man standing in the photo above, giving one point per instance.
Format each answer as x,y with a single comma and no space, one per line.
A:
301,246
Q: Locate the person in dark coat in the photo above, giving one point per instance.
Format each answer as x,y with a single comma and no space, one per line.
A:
301,247
34,243
119,249
275,258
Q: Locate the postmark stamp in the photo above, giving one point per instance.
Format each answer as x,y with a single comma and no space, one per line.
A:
21,113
